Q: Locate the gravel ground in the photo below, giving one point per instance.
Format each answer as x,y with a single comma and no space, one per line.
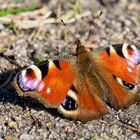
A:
25,118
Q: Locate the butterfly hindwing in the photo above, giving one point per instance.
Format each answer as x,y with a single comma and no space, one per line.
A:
82,101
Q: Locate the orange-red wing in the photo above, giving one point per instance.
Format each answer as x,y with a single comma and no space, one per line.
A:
54,86
90,107
119,66
82,103
119,95
125,66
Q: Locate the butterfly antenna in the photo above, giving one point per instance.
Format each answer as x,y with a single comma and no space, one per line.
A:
89,36
68,29
77,40
91,31
97,17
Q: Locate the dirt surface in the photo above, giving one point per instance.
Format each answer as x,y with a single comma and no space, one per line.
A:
21,45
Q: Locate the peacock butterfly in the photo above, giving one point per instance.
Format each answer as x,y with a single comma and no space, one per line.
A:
80,86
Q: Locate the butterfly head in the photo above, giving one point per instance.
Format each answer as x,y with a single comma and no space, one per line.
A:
80,48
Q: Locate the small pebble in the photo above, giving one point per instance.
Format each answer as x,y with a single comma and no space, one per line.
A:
12,124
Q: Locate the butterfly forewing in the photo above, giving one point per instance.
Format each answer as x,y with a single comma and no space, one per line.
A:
55,85
122,61
49,82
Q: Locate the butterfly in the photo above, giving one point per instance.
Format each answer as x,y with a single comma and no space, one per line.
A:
80,87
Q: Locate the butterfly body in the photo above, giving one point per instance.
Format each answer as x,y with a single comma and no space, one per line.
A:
81,86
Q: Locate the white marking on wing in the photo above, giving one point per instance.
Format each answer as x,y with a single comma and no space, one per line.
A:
48,90
41,86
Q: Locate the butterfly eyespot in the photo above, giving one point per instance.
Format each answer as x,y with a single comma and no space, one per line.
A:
131,53
20,82
28,79
126,84
70,101
69,104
